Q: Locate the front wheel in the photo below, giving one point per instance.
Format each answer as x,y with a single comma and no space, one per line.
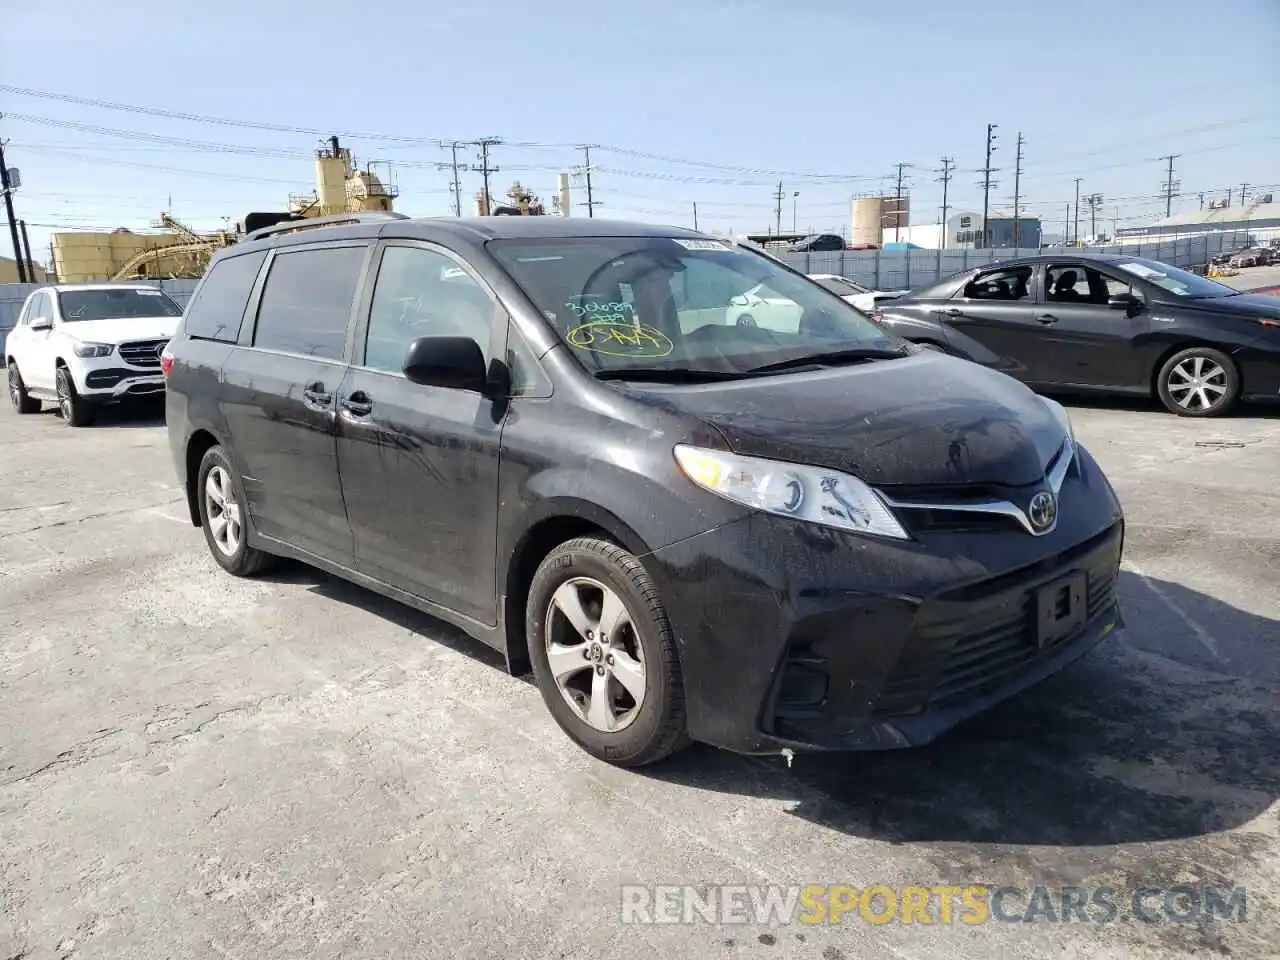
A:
75,410
604,654
21,401
1198,382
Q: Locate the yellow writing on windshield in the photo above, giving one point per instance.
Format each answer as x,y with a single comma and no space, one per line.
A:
619,338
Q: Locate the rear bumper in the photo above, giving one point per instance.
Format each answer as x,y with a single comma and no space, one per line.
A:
794,637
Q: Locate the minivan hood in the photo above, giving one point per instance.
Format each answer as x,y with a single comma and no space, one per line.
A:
121,329
927,419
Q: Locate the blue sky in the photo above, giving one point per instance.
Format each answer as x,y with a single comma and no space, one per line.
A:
736,89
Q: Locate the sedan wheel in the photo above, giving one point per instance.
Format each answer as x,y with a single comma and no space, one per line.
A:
1199,382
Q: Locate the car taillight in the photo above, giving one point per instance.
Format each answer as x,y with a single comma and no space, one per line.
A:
166,362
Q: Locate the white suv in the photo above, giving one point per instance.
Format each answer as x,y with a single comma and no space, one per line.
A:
83,345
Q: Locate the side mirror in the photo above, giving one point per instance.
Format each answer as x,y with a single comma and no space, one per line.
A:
42,323
453,362
1124,301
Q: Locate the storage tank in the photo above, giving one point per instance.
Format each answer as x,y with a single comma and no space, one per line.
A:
865,219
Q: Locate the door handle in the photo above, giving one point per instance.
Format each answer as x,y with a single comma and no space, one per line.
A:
316,397
1047,318
357,405
954,312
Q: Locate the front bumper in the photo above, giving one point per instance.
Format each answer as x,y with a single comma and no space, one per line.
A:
119,382
792,636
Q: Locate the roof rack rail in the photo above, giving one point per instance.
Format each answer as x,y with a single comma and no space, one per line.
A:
315,223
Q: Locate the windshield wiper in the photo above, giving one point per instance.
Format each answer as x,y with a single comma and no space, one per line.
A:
830,358
666,374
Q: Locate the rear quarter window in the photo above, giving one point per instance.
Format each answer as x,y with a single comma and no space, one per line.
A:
217,309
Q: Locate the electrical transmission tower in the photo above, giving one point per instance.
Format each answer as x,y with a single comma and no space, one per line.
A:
987,183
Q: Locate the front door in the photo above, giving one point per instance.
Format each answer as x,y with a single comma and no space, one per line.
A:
996,309
279,397
419,464
37,365
1086,342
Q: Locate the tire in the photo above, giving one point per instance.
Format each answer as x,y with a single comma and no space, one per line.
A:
1213,370
21,401
237,558
75,410
646,729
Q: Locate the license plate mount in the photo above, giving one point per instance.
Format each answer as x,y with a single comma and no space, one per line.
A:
1062,607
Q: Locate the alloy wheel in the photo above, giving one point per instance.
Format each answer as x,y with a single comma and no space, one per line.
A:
223,511
595,655
15,387
1197,384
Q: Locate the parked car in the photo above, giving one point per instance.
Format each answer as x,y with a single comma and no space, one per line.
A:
1106,324
761,540
864,298
85,345
818,243
1252,257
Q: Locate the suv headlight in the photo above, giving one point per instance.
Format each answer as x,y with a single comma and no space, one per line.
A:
82,349
812,494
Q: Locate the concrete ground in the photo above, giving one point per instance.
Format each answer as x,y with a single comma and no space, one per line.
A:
197,766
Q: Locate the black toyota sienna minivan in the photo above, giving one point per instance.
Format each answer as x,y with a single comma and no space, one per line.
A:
771,531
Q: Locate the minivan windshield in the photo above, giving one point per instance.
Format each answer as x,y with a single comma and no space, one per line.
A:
115,304
683,304
1179,282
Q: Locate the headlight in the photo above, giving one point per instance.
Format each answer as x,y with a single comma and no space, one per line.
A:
812,494
93,349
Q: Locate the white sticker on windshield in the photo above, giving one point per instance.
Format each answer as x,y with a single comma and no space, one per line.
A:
702,244
1140,269
151,293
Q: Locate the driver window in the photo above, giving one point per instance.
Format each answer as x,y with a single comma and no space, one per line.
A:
1011,284
421,293
1080,284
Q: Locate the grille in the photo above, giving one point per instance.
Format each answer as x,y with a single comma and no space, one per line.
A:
962,646
142,353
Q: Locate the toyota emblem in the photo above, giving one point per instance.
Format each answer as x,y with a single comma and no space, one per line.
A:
1042,511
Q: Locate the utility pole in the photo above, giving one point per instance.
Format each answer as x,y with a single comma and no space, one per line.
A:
1202,201
1243,188
777,210
13,220
794,195
455,186
948,168
1017,189
897,203
987,182
1075,232
484,169
1093,200
1066,227
1170,186
695,214
26,251
586,170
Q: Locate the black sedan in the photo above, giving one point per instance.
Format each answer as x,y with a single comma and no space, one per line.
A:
1107,324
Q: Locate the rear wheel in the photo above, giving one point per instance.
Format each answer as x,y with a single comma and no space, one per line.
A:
1198,382
21,401
75,410
223,514
604,654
